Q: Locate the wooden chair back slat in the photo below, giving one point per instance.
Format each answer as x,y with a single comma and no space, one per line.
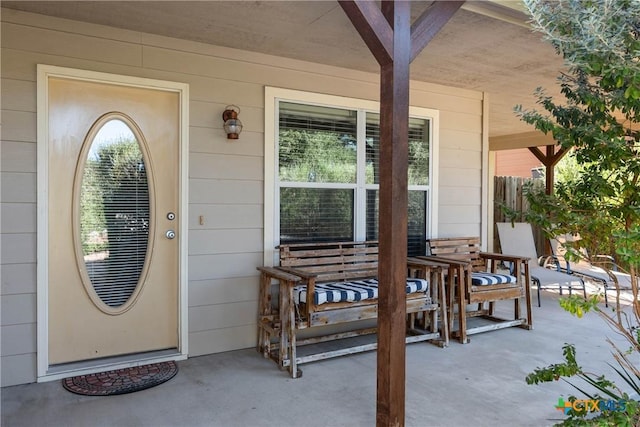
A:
332,262
459,248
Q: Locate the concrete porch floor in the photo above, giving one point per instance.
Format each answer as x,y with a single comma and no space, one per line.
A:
480,383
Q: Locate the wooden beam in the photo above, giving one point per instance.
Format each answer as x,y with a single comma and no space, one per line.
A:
392,232
430,23
555,158
539,154
372,26
549,160
394,43
550,170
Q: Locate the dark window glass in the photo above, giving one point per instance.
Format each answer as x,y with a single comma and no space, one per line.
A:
417,219
316,215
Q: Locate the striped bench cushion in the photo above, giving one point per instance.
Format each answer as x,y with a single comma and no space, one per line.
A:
480,279
357,290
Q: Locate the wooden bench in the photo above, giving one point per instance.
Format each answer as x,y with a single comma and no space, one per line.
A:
325,284
473,278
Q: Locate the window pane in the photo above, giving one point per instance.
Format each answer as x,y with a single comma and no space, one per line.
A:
114,213
316,214
417,223
317,144
372,215
372,139
417,212
418,150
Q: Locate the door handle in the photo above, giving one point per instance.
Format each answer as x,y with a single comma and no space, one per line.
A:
170,234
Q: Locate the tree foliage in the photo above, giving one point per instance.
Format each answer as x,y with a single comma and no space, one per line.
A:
598,119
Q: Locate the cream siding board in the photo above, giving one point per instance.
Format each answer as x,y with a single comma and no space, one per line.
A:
227,241
226,186
461,140
18,339
210,140
225,192
222,315
18,309
18,217
457,230
13,95
18,369
221,291
460,214
461,122
466,103
18,279
225,216
18,64
220,266
18,248
454,196
18,126
58,43
219,340
215,166
456,176
18,187
18,156
204,89
453,158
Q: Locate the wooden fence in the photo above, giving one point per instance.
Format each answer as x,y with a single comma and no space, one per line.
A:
508,191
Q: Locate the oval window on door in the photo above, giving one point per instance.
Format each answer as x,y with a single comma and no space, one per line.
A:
114,218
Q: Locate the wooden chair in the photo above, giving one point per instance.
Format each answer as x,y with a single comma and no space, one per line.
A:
473,279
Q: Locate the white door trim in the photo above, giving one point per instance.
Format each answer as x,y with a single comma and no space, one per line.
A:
44,72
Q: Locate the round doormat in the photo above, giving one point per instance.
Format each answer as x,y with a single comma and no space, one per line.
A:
121,381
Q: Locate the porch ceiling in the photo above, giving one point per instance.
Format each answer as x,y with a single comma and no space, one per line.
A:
486,46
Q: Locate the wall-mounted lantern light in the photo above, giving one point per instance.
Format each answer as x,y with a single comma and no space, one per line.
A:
232,125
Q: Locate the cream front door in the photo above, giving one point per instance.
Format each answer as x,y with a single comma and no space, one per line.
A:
113,219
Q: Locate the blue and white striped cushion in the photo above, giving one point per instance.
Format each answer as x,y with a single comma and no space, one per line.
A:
480,279
353,291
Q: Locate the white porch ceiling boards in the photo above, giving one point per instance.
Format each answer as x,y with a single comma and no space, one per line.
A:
486,47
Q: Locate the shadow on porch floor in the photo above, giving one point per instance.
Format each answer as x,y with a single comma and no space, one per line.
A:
480,383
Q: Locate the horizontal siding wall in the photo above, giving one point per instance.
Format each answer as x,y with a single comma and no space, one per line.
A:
225,178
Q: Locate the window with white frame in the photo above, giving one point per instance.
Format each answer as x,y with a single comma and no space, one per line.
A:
326,158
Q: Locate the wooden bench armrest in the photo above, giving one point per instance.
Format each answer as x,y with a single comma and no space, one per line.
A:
503,257
279,274
294,271
310,279
443,260
421,262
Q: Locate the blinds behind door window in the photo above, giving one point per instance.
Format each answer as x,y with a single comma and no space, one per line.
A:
114,215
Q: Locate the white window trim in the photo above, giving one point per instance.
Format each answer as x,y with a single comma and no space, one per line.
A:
273,96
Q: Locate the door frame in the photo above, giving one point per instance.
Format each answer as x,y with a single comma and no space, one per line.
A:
45,373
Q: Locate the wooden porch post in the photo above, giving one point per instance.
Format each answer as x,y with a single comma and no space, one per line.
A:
394,42
392,232
549,161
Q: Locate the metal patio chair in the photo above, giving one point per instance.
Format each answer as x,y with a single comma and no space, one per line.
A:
517,239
